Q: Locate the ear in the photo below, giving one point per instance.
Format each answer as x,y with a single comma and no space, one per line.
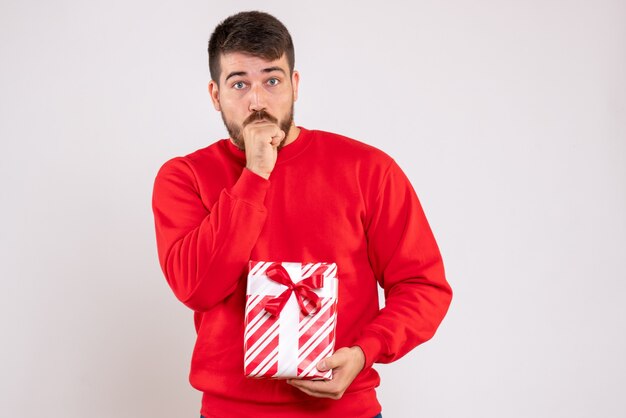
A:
215,95
295,80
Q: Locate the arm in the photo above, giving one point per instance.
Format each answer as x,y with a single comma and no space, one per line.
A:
203,251
407,264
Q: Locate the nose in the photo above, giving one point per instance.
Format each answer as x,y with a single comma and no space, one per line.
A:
257,98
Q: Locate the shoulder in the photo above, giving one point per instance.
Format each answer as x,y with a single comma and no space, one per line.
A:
353,164
217,151
350,149
210,156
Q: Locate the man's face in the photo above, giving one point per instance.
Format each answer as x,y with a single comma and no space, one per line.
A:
251,88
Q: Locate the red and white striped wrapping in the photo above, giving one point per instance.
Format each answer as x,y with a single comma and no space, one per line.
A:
291,344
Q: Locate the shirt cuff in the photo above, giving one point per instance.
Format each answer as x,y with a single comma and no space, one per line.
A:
372,346
251,188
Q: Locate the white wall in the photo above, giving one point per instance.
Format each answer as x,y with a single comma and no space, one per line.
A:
508,116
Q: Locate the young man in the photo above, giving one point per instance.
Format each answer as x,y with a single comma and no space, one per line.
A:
274,191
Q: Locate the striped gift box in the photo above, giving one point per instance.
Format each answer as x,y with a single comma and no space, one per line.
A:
289,343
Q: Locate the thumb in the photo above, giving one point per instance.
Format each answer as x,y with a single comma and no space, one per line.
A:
330,362
324,365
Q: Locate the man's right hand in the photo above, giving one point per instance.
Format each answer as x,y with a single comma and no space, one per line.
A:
262,139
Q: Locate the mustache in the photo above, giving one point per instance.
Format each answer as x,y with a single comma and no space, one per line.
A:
259,115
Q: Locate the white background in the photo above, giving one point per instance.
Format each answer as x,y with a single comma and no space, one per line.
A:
509,117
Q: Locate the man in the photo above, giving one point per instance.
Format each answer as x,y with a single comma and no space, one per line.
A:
274,191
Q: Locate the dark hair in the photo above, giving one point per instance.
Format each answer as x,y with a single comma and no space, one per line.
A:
256,33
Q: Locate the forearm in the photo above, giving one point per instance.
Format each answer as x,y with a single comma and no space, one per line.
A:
414,309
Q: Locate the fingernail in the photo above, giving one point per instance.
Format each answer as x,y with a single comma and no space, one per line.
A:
321,366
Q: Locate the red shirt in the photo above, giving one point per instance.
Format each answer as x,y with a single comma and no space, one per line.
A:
329,198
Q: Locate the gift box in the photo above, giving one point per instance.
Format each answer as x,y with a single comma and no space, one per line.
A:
290,319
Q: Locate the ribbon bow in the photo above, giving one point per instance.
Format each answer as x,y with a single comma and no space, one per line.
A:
302,289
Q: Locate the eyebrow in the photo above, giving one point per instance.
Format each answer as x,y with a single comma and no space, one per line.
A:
270,69
264,70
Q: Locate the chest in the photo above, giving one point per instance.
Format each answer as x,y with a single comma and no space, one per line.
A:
314,214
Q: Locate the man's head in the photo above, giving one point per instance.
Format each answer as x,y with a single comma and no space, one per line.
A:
251,59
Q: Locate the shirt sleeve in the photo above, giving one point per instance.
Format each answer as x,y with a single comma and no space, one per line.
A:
203,251
408,265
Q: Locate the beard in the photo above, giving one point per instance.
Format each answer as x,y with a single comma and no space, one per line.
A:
235,131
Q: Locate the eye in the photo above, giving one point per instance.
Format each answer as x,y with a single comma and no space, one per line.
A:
239,85
273,81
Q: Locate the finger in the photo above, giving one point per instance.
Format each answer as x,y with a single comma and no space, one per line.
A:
321,386
317,389
326,364
309,386
312,385
310,393
336,360
279,136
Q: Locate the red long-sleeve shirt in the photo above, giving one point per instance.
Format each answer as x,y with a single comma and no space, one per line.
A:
329,198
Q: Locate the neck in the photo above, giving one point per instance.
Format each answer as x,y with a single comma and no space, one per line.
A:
293,133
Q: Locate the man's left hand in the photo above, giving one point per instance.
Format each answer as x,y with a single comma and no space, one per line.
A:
346,363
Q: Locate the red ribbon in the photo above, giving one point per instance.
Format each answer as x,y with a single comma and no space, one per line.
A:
302,289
